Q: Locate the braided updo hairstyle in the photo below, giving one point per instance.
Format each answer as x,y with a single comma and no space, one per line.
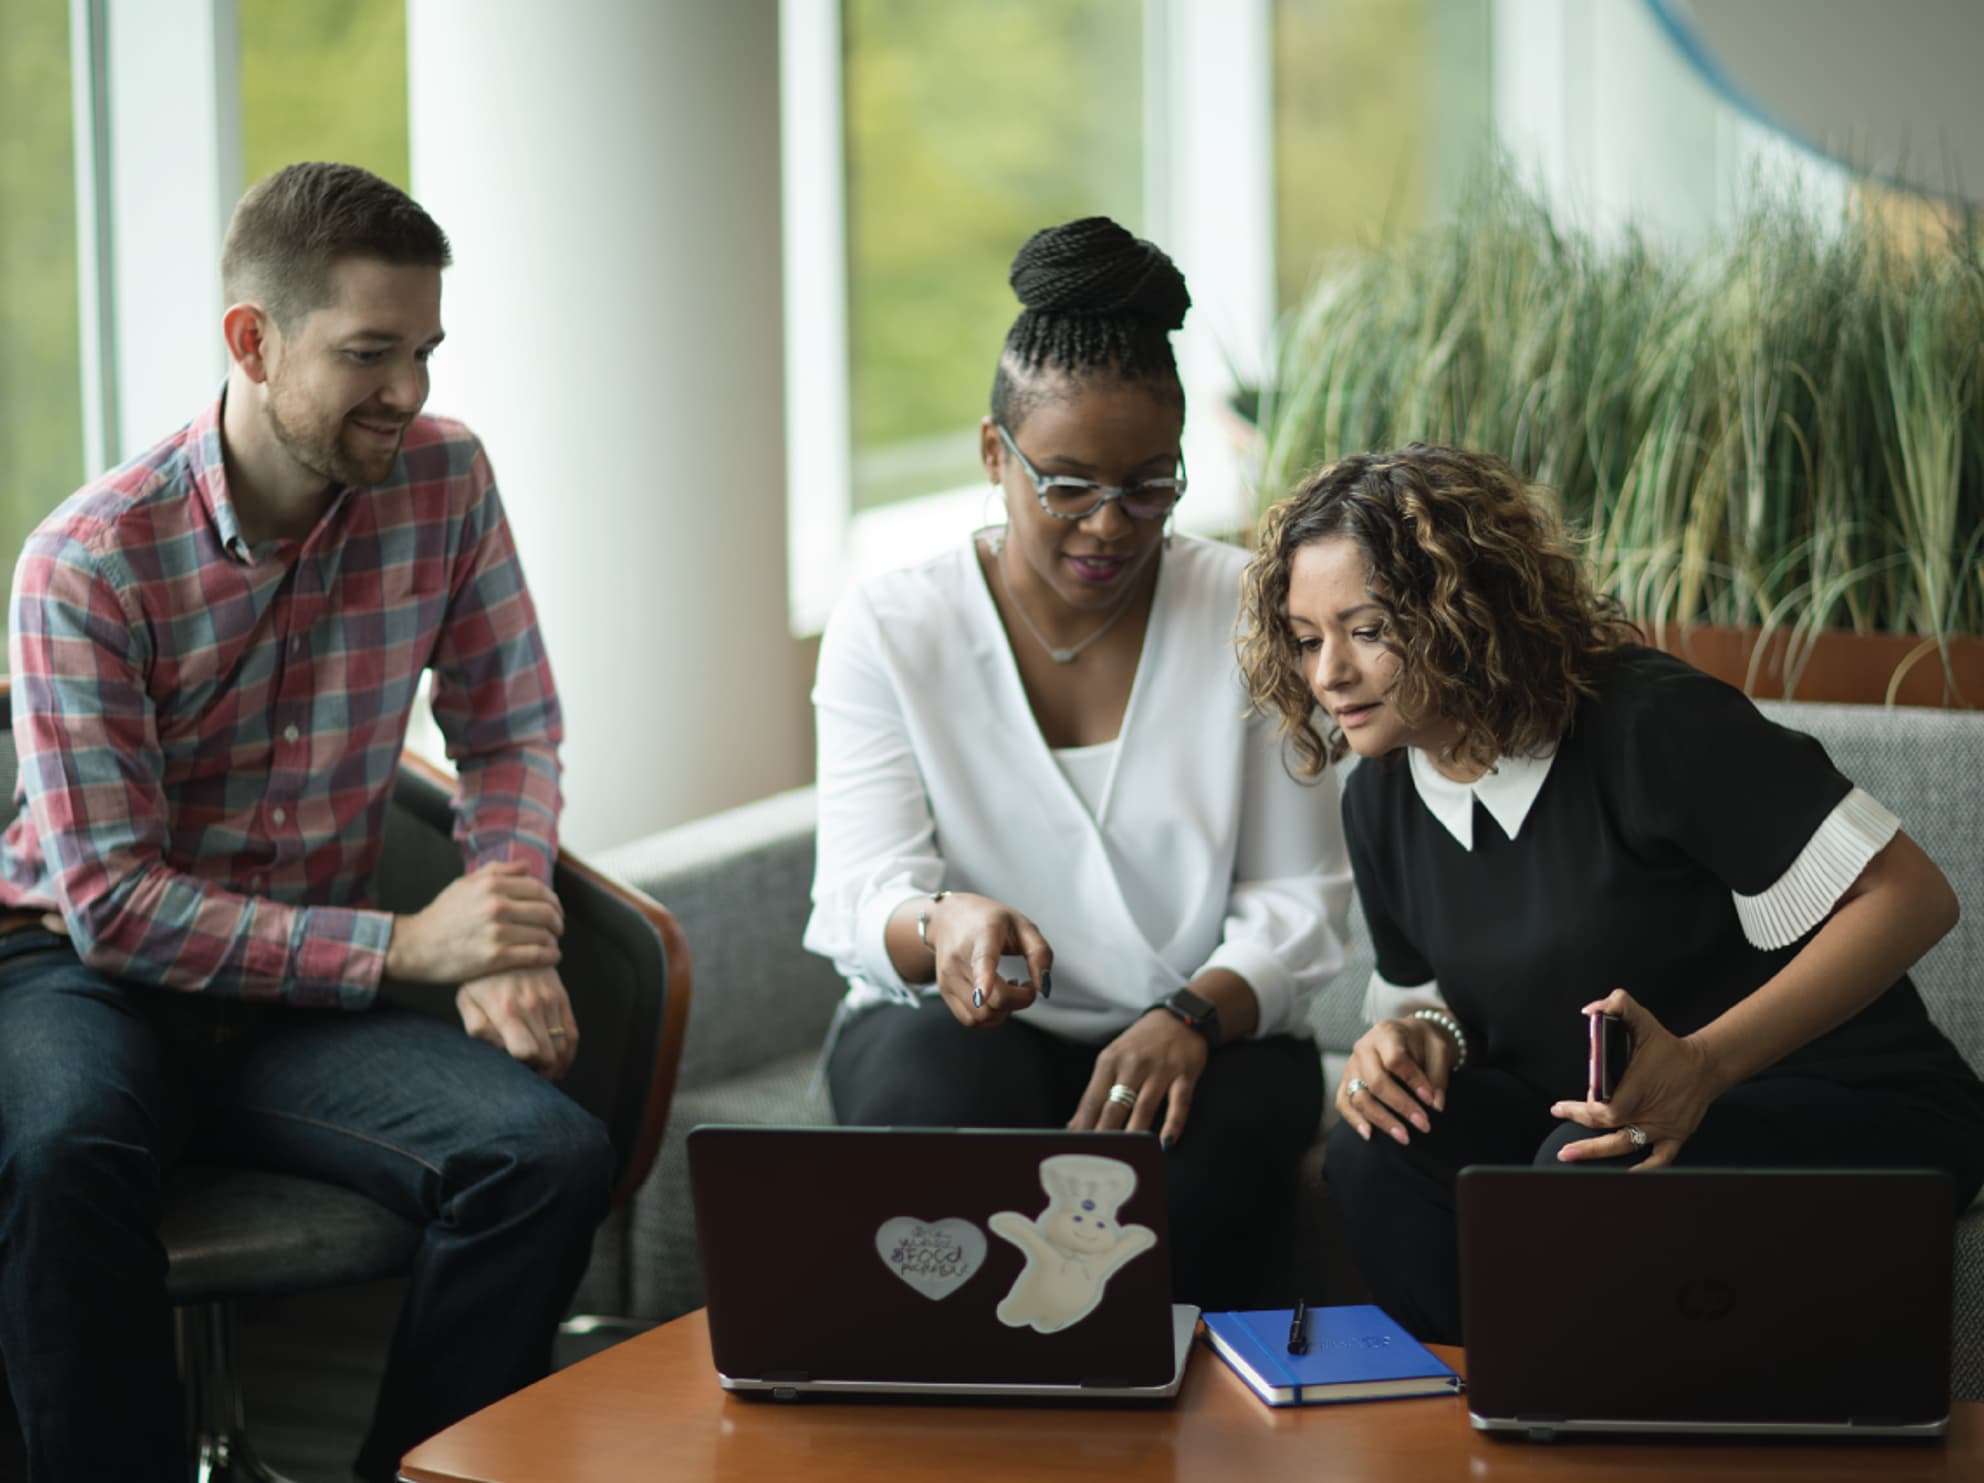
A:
1097,301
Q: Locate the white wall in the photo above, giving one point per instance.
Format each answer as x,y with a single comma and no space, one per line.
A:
1598,108
609,175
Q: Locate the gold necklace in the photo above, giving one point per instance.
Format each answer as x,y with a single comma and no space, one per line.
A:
1059,656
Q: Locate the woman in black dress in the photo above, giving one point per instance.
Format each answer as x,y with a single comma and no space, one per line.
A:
1551,820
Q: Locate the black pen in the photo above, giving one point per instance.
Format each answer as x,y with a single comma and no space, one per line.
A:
1298,1329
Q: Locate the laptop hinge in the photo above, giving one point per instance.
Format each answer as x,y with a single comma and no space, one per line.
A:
786,1377
1105,1382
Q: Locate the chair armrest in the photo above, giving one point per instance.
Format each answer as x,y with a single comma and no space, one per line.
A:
740,882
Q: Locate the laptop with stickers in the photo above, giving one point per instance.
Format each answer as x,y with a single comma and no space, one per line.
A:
1777,1302
937,1262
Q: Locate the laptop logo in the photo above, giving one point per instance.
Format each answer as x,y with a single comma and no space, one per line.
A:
1705,1298
936,1257
1074,1246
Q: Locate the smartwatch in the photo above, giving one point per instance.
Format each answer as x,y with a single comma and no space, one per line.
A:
1195,1010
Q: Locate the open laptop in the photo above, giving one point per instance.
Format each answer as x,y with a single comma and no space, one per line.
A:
937,1262
1765,1302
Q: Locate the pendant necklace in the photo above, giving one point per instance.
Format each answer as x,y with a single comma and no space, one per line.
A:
1059,656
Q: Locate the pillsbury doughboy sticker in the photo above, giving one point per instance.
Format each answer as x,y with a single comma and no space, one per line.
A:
936,1257
1075,1245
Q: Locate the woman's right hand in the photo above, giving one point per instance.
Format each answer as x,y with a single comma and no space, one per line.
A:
498,919
968,935
1404,1065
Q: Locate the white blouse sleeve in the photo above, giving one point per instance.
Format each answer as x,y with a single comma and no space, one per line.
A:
1852,834
1289,905
877,846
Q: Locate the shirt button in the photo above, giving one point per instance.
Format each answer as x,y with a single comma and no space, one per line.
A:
296,645
279,815
290,733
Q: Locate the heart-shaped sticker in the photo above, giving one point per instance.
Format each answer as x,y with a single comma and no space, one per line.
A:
936,1257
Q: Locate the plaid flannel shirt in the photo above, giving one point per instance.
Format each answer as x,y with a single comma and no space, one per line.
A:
209,734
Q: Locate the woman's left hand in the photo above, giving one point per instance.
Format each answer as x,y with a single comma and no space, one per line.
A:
1665,1093
1160,1058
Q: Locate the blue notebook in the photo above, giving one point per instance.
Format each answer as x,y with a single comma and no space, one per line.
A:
1355,1354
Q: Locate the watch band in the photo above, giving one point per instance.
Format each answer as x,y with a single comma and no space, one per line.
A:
923,918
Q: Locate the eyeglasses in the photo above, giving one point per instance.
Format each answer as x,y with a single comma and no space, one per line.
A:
1068,498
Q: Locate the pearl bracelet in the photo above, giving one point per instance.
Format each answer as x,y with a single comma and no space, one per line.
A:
1440,1019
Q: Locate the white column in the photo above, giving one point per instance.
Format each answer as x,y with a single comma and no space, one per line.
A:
609,176
158,169
1209,203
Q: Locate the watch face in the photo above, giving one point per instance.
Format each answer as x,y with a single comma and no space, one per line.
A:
1193,1006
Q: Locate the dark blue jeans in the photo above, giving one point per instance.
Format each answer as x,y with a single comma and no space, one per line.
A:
104,1085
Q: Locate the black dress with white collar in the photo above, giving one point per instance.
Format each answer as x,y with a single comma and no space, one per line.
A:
1677,845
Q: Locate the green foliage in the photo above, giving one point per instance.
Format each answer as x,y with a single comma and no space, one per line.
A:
41,435
1784,429
1379,106
324,80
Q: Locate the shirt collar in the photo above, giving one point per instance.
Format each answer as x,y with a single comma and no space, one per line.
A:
206,469
1507,791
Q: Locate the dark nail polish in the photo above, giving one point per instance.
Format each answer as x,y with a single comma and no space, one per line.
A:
1165,1142
978,998
1047,984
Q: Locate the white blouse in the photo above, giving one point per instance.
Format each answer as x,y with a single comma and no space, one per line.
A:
1200,850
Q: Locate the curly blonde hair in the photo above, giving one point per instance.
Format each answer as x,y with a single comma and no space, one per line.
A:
1486,597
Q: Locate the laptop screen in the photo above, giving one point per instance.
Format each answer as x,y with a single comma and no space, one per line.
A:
938,1256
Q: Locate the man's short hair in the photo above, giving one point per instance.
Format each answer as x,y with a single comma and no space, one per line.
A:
289,231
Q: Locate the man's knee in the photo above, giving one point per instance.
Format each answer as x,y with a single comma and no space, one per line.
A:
561,1156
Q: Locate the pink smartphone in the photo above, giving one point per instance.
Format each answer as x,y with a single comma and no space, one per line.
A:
1611,1049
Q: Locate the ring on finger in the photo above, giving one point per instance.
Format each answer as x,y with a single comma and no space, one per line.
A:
1123,1096
556,1032
1355,1085
1637,1135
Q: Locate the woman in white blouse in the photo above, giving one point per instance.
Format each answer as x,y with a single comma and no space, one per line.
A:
1069,881
1553,821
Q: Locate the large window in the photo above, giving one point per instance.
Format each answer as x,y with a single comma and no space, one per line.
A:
969,125
323,80
1381,107
41,432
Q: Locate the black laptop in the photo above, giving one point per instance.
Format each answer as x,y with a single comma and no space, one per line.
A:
1765,1302
937,1262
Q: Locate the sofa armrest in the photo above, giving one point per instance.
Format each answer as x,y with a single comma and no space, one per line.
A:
740,882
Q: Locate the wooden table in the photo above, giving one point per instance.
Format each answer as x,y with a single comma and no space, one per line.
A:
651,1409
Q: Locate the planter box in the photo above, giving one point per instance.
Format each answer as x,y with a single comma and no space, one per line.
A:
1858,668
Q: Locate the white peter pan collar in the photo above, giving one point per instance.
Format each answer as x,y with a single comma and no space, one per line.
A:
1507,791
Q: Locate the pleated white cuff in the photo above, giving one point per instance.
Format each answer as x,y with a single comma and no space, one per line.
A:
1832,860
1387,1001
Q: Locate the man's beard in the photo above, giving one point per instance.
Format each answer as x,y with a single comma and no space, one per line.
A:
324,452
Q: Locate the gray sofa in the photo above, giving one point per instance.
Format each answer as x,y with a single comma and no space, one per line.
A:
739,883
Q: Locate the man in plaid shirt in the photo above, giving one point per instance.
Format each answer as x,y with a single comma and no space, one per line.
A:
214,654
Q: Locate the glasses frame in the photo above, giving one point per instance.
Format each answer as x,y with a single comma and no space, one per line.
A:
1103,493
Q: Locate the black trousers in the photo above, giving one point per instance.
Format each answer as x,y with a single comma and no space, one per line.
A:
1397,1202
1229,1179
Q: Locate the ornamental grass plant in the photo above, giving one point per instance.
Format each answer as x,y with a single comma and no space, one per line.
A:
1781,430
